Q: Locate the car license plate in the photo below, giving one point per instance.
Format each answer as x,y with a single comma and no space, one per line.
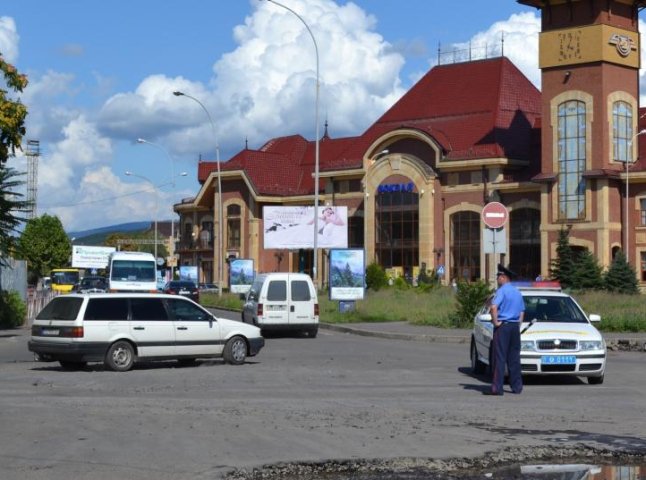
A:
49,332
558,359
184,292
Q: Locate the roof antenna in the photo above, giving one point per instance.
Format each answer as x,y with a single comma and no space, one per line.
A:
246,143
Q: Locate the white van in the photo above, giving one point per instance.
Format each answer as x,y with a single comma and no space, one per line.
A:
120,329
282,301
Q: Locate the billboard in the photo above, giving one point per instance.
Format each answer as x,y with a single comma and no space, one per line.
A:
84,256
188,273
241,275
347,274
293,227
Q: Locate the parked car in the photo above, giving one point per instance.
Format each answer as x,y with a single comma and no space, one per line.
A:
282,301
92,284
120,329
208,288
557,337
185,288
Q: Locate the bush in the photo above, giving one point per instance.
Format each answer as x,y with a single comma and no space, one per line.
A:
376,277
13,310
470,297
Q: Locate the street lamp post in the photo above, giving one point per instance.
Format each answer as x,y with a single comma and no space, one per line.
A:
172,222
217,160
131,174
316,158
641,132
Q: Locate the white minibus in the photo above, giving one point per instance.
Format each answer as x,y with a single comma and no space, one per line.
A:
132,272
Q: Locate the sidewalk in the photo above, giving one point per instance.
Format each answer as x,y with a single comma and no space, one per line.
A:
407,331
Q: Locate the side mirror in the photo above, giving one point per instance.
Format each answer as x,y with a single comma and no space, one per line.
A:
594,317
485,317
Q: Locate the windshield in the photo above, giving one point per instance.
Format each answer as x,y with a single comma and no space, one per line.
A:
552,309
133,270
65,278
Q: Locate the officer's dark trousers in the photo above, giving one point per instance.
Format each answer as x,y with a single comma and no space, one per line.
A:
506,353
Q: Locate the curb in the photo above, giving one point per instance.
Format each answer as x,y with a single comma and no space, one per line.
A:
428,338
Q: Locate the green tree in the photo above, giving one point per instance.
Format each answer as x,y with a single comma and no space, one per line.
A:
563,265
376,277
12,129
45,245
621,277
12,112
587,274
11,204
470,297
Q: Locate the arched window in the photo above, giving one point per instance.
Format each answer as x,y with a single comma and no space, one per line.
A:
525,242
571,159
622,130
465,249
233,226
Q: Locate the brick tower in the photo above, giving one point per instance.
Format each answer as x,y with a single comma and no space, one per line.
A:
589,59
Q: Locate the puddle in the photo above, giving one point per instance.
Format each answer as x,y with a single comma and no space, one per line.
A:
566,471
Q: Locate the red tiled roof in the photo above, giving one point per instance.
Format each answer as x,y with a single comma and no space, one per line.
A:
480,109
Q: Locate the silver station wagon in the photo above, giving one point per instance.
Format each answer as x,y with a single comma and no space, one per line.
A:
120,329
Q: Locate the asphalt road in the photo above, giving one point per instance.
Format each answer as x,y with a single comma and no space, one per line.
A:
339,396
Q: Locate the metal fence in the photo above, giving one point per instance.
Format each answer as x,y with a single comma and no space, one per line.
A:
35,303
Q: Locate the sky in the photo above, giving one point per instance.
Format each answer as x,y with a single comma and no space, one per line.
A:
102,75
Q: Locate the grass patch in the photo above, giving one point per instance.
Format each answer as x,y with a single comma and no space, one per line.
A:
435,307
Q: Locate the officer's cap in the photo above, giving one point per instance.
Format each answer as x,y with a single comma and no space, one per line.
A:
502,270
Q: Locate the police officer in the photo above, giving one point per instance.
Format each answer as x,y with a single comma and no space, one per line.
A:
507,312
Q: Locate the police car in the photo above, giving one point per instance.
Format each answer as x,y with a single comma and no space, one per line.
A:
557,337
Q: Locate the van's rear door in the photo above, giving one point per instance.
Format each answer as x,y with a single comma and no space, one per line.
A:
276,305
301,306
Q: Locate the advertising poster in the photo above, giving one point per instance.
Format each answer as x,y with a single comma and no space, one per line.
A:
84,256
293,227
188,272
241,275
347,274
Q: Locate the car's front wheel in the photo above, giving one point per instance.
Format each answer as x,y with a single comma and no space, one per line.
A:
477,366
120,356
235,351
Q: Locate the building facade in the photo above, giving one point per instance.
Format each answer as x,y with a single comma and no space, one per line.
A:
416,181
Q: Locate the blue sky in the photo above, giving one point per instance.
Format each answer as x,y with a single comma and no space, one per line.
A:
102,75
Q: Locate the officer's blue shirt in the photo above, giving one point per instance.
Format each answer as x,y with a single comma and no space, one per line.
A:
509,302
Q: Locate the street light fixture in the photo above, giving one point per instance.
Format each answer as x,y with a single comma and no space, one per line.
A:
220,215
131,174
172,222
641,132
316,159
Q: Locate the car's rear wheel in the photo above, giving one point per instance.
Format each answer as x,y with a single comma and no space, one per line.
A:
595,380
477,366
235,351
120,356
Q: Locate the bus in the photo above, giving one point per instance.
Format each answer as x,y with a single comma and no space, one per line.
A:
64,279
132,272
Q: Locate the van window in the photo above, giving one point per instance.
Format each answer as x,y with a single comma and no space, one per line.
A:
107,309
277,291
183,310
148,309
61,308
300,291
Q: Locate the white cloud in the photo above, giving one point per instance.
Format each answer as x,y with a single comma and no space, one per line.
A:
520,35
8,39
266,86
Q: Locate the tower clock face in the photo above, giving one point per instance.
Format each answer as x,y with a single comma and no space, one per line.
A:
570,45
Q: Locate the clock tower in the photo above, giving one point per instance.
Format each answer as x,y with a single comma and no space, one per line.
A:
589,58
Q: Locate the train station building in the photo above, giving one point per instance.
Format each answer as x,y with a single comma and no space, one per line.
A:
466,134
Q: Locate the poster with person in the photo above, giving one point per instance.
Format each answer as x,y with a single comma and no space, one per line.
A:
293,227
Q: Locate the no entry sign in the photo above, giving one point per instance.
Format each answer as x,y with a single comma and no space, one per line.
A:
495,215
